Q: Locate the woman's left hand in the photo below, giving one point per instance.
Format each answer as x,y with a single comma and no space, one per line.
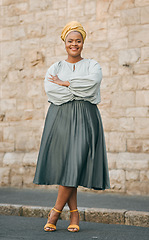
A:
55,79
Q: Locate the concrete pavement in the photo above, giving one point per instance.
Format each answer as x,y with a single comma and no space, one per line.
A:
93,207
19,228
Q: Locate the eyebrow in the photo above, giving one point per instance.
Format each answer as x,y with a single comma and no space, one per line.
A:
74,39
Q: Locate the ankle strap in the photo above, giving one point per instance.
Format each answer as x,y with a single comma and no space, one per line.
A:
76,210
56,210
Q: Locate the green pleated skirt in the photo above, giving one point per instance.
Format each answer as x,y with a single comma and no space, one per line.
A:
72,151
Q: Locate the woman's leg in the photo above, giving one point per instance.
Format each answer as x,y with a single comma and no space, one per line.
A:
72,203
63,196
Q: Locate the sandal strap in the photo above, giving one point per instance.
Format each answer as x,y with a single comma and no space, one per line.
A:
56,210
73,226
50,225
76,210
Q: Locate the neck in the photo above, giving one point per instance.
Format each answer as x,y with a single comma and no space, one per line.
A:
71,59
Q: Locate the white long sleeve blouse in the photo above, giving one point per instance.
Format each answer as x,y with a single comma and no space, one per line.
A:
84,77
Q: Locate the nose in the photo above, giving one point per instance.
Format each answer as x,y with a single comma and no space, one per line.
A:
74,43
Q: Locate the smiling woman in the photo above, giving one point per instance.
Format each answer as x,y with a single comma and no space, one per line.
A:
72,151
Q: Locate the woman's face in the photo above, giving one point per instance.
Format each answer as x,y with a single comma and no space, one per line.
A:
74,44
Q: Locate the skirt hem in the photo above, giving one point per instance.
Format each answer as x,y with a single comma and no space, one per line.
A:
76,186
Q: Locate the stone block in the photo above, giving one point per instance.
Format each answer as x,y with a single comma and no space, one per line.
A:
37,5
8,209
145,15
16,181
134,145
111,163
90,8
9,21
1,158
120,5
59,4
5,34
145,54
130,16
129,83
35,211
117,33
126,124
140,69
141,3
102,9
142,82
123,99
65,215
26,141
141,128
100,35
7,147
14,91
117,142
8,104
28,177
8,2
117,179
137,36
137,218
119,44
9,134
109,83
114,22
17,9
110,124
2,117
1,135
4,176
146,146
59,50
73,11
108,216
144,176
142,98
35,89
18,32
132,164
132,175
132,161
28,18
36,30
137,188
13,158
30,159
129,56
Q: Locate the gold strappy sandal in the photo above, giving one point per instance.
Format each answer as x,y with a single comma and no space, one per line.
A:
49,227
73,226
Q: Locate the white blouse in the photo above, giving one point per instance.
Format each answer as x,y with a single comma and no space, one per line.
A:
84,76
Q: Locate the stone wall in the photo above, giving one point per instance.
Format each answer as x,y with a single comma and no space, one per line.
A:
117,37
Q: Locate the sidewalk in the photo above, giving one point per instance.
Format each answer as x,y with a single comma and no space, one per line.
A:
94,207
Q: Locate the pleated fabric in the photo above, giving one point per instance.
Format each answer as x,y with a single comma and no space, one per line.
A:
72,151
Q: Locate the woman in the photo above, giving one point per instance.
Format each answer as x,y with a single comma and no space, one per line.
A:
72,151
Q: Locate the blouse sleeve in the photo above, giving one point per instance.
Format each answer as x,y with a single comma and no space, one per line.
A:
56,94
88,85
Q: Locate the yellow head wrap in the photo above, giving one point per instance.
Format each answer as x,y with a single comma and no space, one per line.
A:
73,26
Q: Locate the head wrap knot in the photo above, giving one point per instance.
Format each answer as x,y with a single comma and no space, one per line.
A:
73,26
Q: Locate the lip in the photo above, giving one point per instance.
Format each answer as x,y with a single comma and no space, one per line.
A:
74,49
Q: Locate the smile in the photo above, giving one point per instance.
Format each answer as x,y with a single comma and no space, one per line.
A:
74,49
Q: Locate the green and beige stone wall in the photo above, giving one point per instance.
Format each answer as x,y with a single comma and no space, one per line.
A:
117,37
